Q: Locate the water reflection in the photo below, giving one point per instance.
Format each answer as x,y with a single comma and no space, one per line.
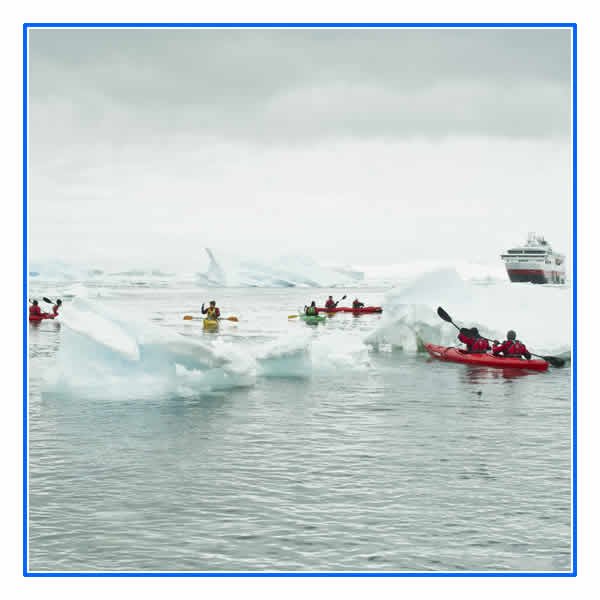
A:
477,374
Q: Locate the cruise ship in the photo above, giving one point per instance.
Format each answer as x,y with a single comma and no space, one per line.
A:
535,261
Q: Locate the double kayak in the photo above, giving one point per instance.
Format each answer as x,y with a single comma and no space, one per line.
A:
210,324
365,310
42,317
457,355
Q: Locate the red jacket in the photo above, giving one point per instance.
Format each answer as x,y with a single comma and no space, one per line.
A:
35,311
330,304
512,348
479,345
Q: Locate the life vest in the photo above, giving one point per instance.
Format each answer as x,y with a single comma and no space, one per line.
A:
515,348
330,304
212,313
311,311
480,345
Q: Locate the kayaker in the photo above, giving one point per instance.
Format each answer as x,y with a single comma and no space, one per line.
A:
212,312
474,342
311,311
56,307
35,310
357,304
511,346
331,303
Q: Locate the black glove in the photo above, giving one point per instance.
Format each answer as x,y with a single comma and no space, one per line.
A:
496,342
528,356
465,331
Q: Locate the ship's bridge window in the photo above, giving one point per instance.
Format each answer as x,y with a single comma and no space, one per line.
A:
515,251
535,252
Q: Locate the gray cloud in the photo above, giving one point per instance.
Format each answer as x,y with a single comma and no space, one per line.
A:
354,145
302,85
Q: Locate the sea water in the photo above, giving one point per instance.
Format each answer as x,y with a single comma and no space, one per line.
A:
274,445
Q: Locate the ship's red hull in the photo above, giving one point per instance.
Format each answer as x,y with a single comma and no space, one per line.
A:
535,276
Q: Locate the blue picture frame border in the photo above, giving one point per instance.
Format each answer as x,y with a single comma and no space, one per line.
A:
296,25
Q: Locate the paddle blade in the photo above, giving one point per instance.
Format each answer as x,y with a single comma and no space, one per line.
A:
187,317
47,300
555,361
293,316
444,315
234,319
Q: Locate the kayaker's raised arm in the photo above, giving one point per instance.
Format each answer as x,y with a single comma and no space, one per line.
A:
212,312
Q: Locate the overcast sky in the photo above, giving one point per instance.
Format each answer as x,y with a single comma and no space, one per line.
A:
350,146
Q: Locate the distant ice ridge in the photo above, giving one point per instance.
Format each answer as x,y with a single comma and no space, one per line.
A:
61,272
541,315
290,271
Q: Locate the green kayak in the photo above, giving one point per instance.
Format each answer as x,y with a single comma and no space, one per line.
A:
313,319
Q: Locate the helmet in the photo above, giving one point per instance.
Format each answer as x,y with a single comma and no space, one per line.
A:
511,335
475,331
212,302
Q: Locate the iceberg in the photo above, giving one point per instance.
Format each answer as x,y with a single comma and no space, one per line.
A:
541,315
123,356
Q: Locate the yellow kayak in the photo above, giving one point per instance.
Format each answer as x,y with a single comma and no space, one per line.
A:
211,324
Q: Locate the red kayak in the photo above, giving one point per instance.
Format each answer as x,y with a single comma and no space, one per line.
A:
357,311
485,360
42,317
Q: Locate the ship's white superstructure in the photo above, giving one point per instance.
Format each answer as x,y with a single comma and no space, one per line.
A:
535,261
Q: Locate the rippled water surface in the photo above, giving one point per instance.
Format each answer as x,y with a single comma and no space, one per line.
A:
398,463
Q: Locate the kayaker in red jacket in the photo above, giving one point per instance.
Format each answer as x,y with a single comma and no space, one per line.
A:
357,304
474,342
35,310
331,303
511,346
56,306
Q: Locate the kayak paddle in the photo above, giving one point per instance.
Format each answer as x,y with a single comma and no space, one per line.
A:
444,315
342,298
555,361
47,300
190,318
